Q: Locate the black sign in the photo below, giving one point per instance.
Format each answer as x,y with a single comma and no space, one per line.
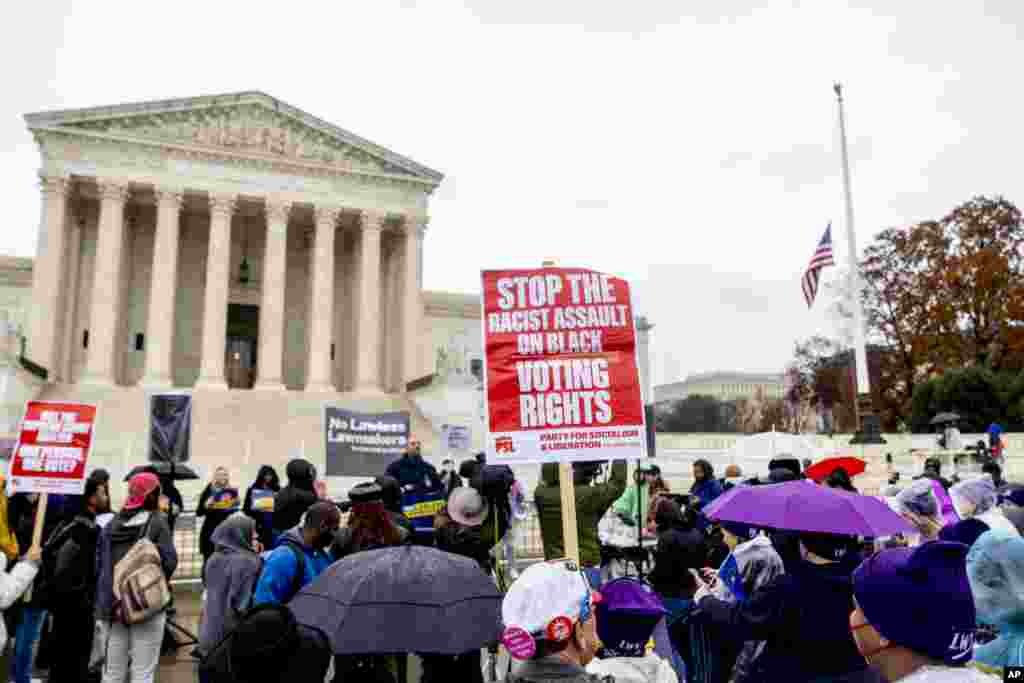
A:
170,422
363,444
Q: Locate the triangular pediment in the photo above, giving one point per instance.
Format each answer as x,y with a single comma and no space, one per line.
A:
250,123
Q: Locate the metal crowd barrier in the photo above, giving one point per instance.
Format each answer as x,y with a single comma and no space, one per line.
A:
190,562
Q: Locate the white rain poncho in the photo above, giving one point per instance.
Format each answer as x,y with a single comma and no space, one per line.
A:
981,495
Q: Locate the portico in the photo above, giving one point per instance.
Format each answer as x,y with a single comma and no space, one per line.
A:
226,242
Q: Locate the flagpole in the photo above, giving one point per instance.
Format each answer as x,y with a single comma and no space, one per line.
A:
870,427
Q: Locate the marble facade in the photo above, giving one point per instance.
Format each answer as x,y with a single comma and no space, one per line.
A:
149,212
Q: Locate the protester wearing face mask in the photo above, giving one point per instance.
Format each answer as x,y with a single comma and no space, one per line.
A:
914,616
300,556
551,625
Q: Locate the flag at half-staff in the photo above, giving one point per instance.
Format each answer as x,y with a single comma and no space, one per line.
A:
822,259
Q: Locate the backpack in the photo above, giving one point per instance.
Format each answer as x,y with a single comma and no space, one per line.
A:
141,590
300,569
268,639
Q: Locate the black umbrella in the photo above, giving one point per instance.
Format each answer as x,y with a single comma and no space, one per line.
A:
175,470
404,599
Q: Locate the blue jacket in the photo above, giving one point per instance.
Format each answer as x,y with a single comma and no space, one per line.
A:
276,582
706,491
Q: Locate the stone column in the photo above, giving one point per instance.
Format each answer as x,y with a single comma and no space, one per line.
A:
215,304
415,224
100,367
73,249
368,346
46,274
321,309
163,285
272,286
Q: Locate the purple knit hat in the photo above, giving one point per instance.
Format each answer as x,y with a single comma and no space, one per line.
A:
921,599
626,616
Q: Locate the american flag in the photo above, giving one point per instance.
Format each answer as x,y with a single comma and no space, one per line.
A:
821,259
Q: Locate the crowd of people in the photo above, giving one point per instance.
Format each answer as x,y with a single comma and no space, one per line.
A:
717,601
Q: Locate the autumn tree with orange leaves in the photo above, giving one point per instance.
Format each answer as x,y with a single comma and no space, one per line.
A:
942,295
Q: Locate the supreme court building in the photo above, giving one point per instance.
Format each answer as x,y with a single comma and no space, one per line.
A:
237,248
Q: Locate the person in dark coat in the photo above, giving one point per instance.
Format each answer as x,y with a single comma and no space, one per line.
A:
933,471
140,643
216,511
259,503
74,586
391,494
803,615
412,470
293,500
450,479
680,548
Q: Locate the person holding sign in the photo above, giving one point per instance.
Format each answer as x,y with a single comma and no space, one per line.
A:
259,503
592,502
217,502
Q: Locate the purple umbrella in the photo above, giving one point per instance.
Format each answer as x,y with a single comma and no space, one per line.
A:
805,506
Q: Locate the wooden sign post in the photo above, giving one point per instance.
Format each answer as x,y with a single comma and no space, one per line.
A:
567,489
570,532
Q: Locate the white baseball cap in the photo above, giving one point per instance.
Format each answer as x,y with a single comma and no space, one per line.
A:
546,601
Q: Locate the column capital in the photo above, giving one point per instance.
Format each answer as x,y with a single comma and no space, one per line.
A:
55,185
327,214
278,210
111,190
223,204
372,219
415,222
171,196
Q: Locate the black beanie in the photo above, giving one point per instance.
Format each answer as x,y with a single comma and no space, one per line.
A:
827,546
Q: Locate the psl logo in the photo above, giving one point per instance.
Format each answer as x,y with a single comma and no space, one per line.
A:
503,444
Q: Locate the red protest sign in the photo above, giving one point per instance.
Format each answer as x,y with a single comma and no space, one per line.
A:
561,371
53,448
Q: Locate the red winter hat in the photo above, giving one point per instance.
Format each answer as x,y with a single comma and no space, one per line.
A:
140,486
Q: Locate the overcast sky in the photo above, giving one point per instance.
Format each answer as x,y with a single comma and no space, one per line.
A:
691,150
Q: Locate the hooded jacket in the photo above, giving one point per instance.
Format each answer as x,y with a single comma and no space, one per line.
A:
293,500
276,580
117,539
230,579
264,518
995,567
592,502
805,618
646,669
554,670
74,572
757,565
